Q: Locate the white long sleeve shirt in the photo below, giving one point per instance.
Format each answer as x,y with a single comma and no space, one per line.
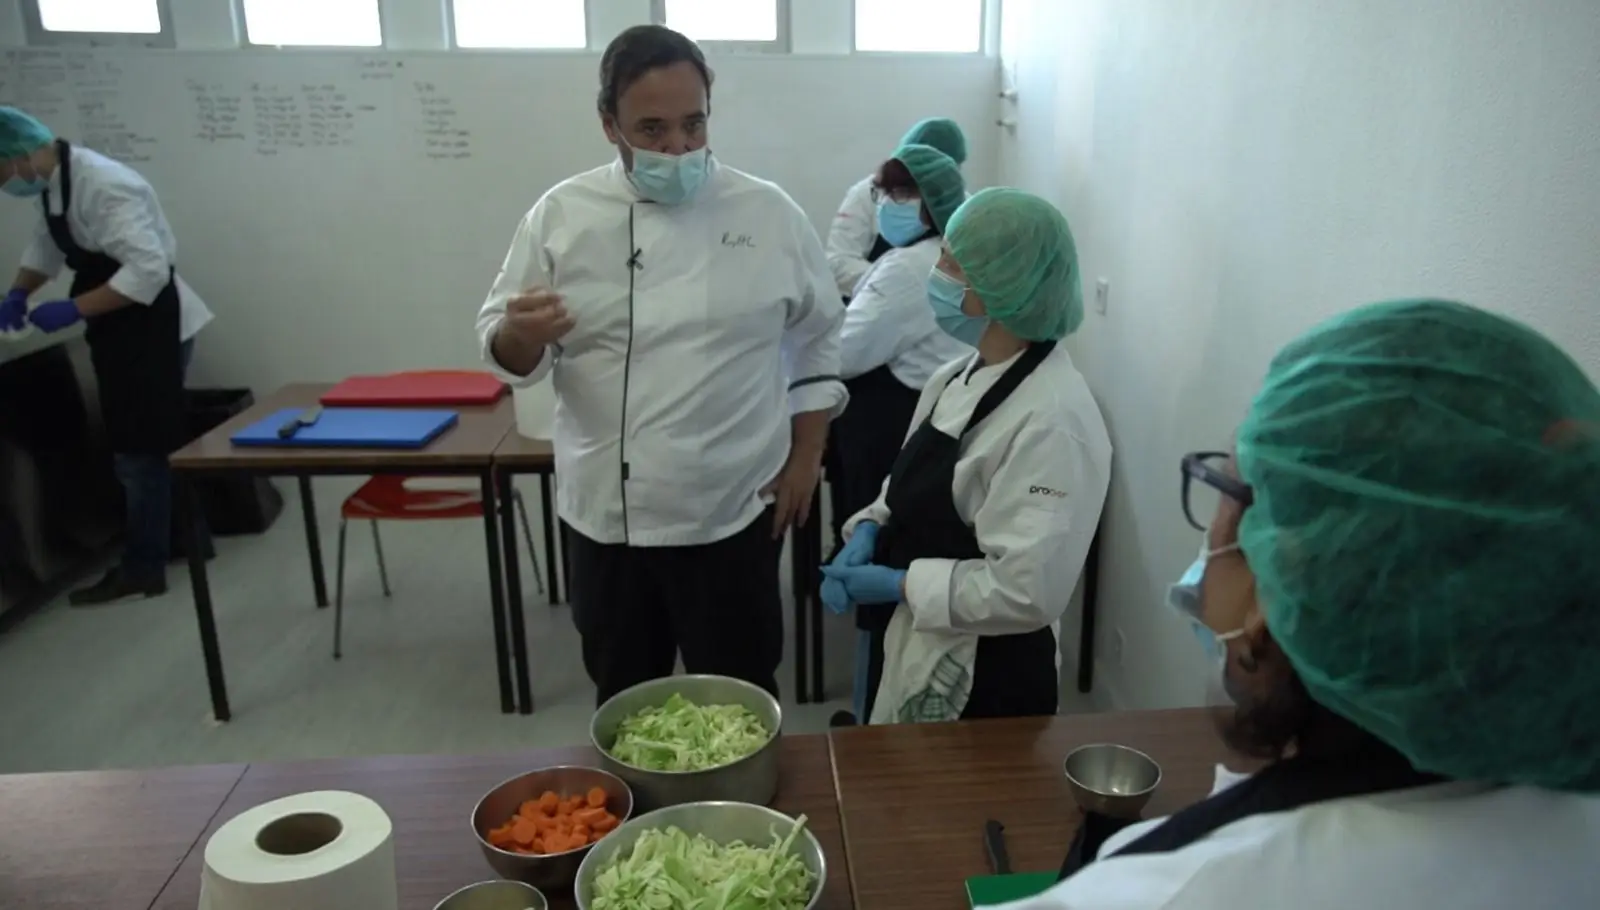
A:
1441,846
115,211
1031,479
851,235
889,320
701,329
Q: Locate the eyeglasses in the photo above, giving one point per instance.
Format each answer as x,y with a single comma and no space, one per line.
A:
1215,482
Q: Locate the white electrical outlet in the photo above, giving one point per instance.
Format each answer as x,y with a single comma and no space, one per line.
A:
1102,295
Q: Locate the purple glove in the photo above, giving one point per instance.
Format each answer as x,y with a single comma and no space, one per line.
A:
55,315
14,310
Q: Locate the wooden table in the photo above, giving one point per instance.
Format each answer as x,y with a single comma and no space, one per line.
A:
108,840
431,797
914,798
465,449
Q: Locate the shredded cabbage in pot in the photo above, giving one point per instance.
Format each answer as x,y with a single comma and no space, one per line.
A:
670,870
682,736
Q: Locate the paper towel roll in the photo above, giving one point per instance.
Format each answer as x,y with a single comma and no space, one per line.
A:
327,850
535,408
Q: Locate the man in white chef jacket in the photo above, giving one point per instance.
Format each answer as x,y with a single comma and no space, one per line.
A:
99,218
686,315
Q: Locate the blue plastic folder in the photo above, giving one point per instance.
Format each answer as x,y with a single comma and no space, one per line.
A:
361,428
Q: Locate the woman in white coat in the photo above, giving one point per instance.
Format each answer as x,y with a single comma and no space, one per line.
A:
854,241
962,567
1398,585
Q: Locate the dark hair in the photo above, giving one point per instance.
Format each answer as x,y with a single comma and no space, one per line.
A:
894,177
638,51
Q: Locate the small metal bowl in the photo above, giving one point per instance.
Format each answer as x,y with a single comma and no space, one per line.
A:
752,779
553,872
495,896
721,822
1112,780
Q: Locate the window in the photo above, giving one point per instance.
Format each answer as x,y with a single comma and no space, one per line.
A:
521,23
313,23
758,24
928,26
98,21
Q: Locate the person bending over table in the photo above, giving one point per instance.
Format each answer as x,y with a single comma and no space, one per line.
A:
854,239
684,312
1398,586
961,569
102,220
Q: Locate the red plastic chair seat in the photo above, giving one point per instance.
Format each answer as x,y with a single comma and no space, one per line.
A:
387,498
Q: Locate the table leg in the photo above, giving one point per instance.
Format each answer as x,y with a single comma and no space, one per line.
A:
1091,591
513,576
797,561
814,601
189,514
548,506
497,608
308,509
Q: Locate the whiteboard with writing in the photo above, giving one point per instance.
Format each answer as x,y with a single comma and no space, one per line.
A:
346,212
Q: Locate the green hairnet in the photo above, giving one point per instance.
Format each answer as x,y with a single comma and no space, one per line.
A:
1019,257
938,180
21,134
1425,537
940,132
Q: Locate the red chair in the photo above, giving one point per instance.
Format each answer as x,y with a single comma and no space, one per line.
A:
387,498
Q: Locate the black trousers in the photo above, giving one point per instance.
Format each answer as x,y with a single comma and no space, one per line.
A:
717,604
1013,676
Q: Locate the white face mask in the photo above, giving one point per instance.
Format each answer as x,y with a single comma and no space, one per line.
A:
669,179
1185,598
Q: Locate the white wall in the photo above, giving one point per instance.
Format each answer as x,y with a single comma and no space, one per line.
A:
1241,169
324,262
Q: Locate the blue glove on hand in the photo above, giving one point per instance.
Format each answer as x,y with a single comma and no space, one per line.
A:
858,550
55,315
14,310
870,584
834,596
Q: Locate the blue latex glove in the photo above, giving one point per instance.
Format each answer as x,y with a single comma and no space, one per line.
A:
14,310
858,550
834,596
870,584
55,315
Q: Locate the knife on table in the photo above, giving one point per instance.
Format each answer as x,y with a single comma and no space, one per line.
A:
304,419
994,841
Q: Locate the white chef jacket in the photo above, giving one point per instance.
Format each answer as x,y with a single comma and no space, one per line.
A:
1462,846
889,320
115,211
701,329
850,237
1031,480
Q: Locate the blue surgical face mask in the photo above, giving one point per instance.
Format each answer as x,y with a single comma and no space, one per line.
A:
945,295
669,179
23,187
900,223
1184,597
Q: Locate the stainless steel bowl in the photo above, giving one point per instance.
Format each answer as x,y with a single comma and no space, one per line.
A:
556,871
722,822
1112,780
495,896
752,779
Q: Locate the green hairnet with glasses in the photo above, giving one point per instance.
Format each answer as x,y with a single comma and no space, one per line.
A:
1425,536
21,134
942,133
1018,253
938,180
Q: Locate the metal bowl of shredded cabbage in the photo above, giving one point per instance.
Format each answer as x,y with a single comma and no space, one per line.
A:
684,739
733,856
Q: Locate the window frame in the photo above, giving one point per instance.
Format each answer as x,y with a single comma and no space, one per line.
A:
244,35
985,8
455,45
39,36
778,45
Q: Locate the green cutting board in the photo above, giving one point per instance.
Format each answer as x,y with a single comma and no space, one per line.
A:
989,890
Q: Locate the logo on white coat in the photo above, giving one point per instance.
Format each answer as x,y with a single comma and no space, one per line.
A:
738,241
1047,491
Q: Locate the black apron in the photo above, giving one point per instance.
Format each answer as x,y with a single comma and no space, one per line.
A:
1282,786
1014,675
134,349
